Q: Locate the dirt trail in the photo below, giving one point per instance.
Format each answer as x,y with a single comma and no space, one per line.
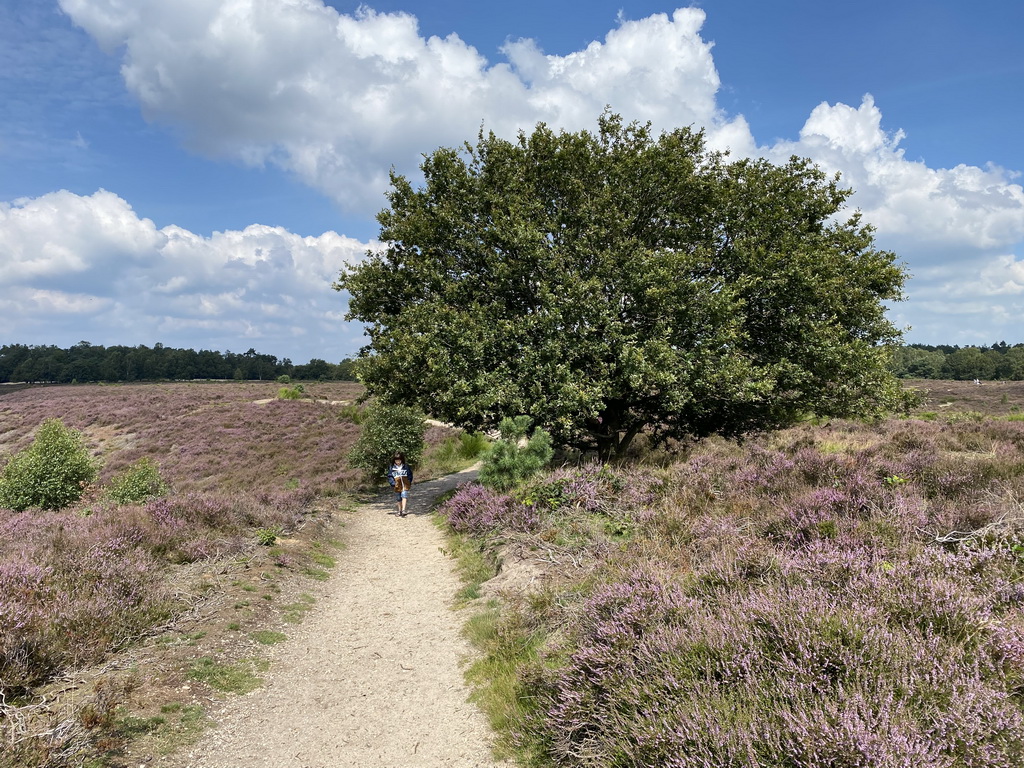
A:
372,677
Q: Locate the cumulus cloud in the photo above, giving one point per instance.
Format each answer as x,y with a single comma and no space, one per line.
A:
941,210
92,267
978,299
1003,276
62,239
338,99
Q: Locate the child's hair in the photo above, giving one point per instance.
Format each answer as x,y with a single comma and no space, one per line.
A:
398,455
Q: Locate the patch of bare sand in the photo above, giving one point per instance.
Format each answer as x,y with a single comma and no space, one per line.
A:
373,676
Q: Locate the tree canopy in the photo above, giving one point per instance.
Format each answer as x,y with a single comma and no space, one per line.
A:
606,283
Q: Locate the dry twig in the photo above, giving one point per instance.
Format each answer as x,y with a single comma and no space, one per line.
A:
959,537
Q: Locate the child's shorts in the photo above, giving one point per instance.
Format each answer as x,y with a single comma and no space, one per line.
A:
401,494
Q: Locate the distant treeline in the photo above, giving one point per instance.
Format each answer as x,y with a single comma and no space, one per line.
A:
86,362
921,361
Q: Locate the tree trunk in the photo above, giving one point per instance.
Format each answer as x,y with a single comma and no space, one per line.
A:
613,444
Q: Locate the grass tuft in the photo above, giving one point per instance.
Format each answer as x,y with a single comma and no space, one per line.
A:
237,677
269,637
295,612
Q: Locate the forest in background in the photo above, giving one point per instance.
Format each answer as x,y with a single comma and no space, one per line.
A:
88,362
1002,361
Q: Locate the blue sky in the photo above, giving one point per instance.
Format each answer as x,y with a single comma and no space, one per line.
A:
196,172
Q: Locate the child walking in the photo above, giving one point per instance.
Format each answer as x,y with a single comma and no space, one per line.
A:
400,478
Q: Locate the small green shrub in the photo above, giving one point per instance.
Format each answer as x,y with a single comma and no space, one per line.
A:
290,393
386,429
136,483
267,537
284,379
51,473
507,464
895,481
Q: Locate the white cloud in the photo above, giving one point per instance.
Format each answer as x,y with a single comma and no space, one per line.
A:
34,302
977,300
64,239
1003,276
338,99
90,265
656,69
935,211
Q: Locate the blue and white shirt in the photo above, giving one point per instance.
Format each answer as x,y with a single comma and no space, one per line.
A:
401,470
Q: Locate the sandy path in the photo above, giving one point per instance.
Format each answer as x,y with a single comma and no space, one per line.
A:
372,676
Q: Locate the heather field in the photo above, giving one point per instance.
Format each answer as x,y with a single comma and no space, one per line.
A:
833,595
245,471
830,596
223,436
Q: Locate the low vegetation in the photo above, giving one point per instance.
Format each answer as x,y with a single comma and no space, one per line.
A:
139,481
454,453
291,393
836,595
182,493
840,594
217,436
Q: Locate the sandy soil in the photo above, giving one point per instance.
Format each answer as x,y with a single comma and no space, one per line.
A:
373,676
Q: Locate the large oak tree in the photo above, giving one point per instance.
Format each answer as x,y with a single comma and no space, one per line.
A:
609,283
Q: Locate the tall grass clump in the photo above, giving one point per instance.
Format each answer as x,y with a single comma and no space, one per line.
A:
472,444
454,453
351,412
291,393
826,597
51,473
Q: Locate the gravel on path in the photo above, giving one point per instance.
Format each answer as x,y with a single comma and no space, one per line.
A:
373,676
